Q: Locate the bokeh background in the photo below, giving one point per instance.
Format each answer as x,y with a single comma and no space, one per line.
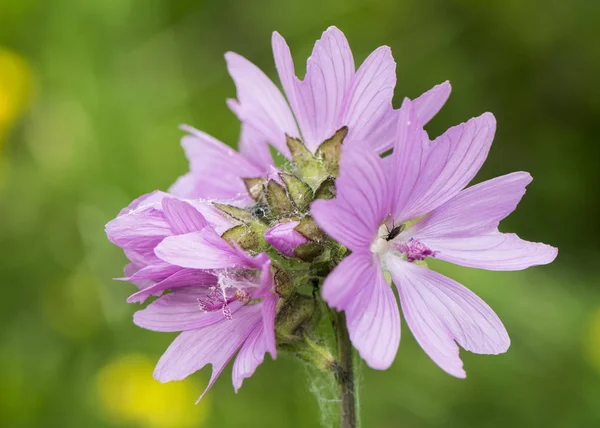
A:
91,96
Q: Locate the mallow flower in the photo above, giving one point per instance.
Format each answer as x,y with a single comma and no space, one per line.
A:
239,251
221,299
333,95
397,212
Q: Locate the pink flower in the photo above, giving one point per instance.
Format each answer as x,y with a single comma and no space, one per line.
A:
217,171
396,211
221,299
333,94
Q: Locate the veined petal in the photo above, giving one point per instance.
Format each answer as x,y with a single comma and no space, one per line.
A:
260,104
219,221
383,135
370,96
476,210
464,230
254,146
182,217
440,312
210,158
361,204
215,344
269,307
198,250
130,270
180,278
179,311
317,101
446,165
139,230
495,251
250,357
431,102
358,287
403,166
147,199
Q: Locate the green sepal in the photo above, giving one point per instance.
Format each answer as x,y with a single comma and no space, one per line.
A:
243,236
255,187
299,191
278,199
310,230
301,156
330,150
235,212
326,189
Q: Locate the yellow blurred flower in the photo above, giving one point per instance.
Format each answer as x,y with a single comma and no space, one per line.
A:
129,393
591,342
15,88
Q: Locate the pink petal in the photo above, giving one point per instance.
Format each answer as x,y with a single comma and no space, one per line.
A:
269,307
317,101
250,357
215,217
215,344
210,158
370,96
476,210
254,146
180,278
130,270
179,311
139,230
383,135
198,250
142,256
403,166
155,272
260,104
446,165
147,199
362,202
440,312
358,287
182,217
285,238
496,251
464,230
431,102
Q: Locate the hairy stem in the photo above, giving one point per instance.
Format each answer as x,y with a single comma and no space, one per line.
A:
344,373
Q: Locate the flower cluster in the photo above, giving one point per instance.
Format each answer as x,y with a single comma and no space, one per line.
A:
239,247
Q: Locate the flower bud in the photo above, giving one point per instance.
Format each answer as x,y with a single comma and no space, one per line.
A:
285,238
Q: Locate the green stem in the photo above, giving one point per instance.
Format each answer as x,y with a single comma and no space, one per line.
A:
345,373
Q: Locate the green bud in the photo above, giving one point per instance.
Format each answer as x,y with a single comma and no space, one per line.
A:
296,316
309,251
284,286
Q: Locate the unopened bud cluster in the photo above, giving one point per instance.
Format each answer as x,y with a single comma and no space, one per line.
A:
279,223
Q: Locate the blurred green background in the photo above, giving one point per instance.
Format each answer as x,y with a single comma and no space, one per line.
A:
91,94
